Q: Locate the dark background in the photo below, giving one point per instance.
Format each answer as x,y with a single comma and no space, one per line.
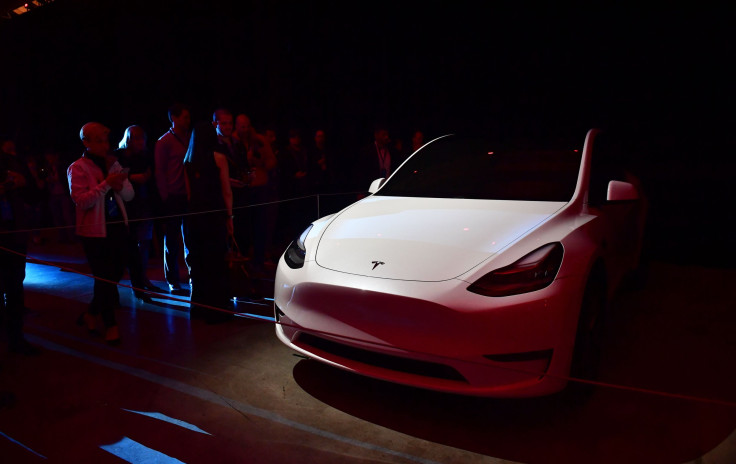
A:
658,78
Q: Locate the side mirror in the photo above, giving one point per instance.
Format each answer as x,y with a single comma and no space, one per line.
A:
621,191
376,184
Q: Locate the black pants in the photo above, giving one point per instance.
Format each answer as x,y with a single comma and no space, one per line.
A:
137,256
175,205
206,236
12,274
107,258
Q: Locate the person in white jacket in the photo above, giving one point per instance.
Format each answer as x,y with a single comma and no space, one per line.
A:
99,188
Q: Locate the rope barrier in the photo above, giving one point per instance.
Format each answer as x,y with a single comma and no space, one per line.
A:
159,218
261,318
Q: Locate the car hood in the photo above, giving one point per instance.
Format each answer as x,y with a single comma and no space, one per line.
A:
424,239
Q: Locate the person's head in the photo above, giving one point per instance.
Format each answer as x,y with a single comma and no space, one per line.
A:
295,138
222,119
180,117
243,127
7,145
134,139
270,135
417,140
380,135
96,138
202,144
51,156
320,139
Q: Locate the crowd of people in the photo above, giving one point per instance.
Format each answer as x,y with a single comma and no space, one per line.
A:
202,191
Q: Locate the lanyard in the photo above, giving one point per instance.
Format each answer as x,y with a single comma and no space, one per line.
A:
177,137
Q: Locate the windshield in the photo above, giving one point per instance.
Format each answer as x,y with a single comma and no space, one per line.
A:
454,167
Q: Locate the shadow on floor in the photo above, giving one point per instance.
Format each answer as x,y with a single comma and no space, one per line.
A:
674,336
606,427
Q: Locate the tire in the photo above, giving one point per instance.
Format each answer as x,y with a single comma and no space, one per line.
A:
589,336
637,278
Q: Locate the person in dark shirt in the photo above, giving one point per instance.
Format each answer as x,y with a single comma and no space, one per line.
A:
263,195
13,247
295,187
375,161
236,156
60,204
417,141
132,154
320,166
209,225
294,167
222,120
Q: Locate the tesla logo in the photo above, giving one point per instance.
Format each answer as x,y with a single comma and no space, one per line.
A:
376,264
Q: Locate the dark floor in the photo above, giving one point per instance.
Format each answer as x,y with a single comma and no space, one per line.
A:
180,390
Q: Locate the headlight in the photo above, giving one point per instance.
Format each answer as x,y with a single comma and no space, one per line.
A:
532,272
296,252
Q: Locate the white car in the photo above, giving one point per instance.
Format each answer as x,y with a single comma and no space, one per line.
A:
474,269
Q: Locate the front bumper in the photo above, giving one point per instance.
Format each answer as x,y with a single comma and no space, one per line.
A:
433,335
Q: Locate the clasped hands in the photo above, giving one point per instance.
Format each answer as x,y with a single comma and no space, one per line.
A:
115,180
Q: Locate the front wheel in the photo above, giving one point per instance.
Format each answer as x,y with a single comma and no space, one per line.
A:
588,340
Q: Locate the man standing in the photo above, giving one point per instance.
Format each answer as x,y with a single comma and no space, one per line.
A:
417,140
258,157
99,188
169,170
320,164
376,159
261,164
13,246
222,119
295,186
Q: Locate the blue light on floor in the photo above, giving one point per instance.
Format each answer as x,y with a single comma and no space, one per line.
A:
34,274
22,445
182,302
43,275
256,316
170,420
251,302
132,451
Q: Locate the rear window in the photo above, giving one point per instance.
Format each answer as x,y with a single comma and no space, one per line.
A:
454,167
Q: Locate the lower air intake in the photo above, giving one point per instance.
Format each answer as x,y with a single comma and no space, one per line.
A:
385,361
